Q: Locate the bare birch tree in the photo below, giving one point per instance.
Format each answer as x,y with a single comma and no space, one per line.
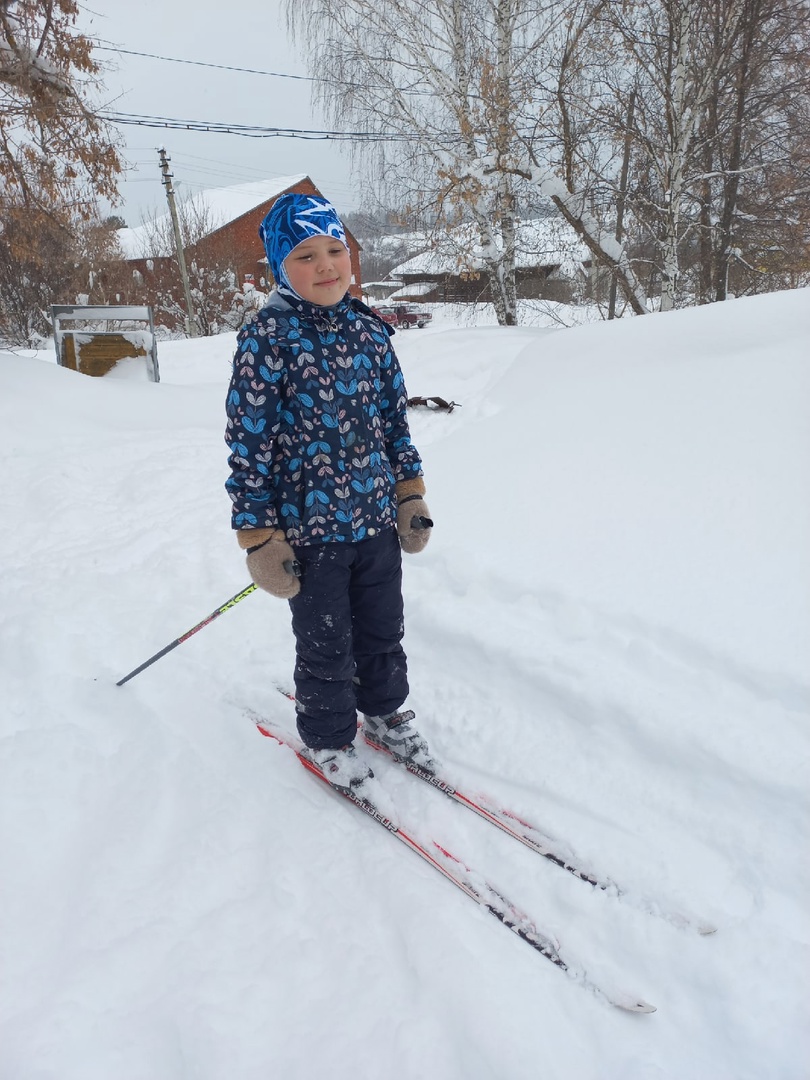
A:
456,99
662,56
755,182
720,87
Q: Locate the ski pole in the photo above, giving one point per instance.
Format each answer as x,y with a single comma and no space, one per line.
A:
179,641
292,566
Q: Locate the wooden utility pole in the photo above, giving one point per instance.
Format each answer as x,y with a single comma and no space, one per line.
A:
191,322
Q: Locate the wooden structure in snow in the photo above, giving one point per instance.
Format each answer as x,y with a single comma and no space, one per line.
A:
95,352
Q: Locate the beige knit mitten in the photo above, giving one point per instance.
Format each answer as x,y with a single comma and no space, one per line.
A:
413,517
271,561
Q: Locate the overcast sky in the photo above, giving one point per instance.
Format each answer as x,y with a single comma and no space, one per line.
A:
250,34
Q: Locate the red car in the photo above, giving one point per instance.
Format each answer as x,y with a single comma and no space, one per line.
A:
386,313
404,316
410,315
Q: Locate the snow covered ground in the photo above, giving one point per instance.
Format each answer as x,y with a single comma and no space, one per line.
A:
609,632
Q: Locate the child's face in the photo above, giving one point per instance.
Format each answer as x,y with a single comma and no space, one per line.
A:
319,270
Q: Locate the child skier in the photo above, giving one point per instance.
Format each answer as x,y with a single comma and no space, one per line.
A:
326,488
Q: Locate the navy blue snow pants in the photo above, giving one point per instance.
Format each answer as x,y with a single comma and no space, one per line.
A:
348,626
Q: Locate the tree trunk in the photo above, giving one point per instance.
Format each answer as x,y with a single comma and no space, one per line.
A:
731,183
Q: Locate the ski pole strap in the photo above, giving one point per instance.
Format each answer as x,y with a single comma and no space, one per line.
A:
258,547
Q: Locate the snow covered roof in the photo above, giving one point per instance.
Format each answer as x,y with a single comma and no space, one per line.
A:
416,288
539,242
224,204
414,240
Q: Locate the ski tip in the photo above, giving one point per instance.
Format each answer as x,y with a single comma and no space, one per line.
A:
634,1005
644,1007
687,922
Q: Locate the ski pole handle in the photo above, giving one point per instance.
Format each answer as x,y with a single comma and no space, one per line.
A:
419,521
179,641
292,566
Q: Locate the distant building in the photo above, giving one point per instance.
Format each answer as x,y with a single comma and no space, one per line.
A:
551,261
235,214
378,290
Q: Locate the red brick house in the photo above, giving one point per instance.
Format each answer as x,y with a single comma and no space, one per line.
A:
236,213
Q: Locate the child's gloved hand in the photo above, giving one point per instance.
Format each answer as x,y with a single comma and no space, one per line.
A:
270,561
414,523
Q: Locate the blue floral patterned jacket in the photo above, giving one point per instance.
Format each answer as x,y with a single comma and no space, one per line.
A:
317,426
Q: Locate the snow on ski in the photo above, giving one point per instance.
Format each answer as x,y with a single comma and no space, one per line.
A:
470,883
531,837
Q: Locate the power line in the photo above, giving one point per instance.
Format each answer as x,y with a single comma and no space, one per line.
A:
202,63
240,70
249,130
227,170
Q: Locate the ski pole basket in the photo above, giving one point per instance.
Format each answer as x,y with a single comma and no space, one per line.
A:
127,332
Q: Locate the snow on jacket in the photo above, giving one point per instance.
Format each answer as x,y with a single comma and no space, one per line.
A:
317,426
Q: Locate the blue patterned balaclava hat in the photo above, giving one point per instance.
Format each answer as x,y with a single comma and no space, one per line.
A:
291,220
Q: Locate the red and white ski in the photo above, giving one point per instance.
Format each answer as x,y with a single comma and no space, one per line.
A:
533,838
530,836
464,878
